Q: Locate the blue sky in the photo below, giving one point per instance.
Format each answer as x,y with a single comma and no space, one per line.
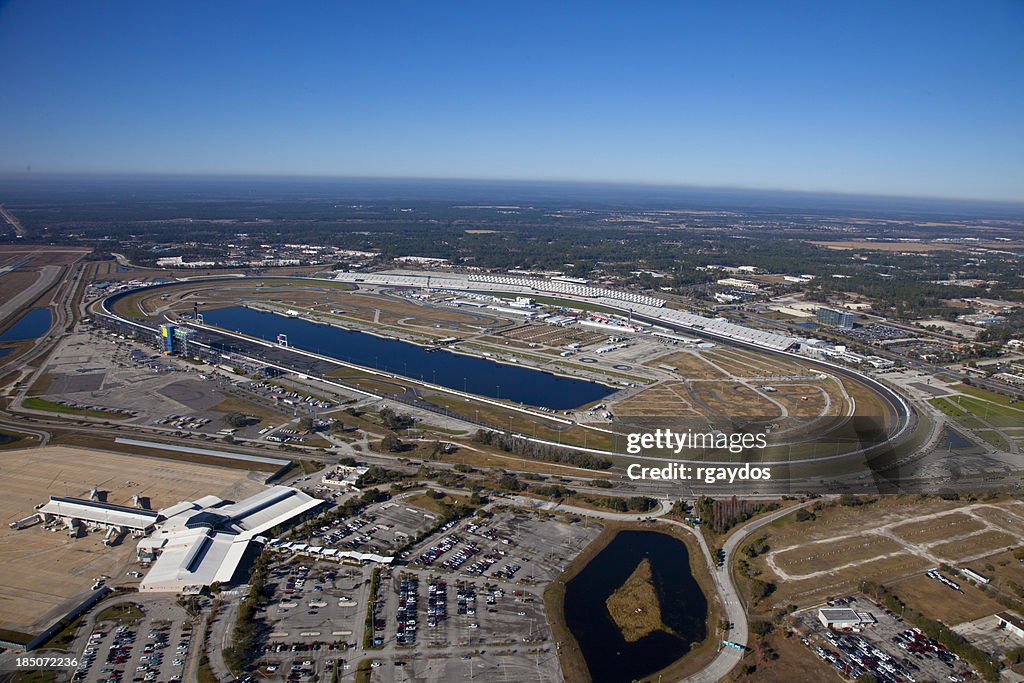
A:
906,98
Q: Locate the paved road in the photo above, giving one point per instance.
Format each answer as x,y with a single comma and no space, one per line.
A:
729,597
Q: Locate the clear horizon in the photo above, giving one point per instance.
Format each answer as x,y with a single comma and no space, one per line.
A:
917,100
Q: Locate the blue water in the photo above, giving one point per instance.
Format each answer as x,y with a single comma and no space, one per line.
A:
4,352
684,608
29,326
465,373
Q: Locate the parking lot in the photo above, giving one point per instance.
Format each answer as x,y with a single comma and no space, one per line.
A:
316,613
478,613
510,546
381,529
138,643
890,650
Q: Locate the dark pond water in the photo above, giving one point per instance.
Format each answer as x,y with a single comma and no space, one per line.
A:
29,326
683,607
456,371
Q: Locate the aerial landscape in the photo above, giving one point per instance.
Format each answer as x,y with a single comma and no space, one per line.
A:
407,351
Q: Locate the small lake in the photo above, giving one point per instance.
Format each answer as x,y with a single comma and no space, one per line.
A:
610,658
455,371
29,326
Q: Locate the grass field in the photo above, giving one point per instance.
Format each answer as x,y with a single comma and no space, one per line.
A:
987,542
941,602
35,403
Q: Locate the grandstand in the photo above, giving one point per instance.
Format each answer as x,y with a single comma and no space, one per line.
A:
639,304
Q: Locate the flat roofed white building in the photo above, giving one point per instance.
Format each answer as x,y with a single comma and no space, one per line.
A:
98,513
204,541
1012,622
843,618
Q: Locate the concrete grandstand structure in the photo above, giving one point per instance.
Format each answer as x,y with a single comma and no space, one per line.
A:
648,307
198,543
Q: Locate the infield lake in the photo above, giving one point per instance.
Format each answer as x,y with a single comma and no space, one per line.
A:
453,370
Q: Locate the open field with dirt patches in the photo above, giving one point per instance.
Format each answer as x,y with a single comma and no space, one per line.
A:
889,541
986,542
41,570
689,365
667,399
943,602
832,554
937,529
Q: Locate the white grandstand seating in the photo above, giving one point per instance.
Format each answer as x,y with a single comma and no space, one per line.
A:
640,304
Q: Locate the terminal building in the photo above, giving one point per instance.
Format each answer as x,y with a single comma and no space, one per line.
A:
97,515
204,541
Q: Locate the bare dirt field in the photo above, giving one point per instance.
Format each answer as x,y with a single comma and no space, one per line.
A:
931,530
825,555
833,553
973,546
888,246
667,399
42,571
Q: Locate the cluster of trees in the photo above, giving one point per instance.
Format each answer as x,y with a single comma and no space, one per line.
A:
378,475
240,655
631,504
982,661
722,515
395,421
539,451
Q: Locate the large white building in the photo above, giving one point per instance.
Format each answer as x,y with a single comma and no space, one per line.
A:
202,542
97,514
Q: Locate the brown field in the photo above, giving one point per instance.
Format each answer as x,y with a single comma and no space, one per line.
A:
41,256
835,584
931,530
16,281
234,404
1011,519
735,400
791,396
768,364
941,602
987,541
43,570
667,398
1003,568
796,664
553,335
825,555
688,365
865,245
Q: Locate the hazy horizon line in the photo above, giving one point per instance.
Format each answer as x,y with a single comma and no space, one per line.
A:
624,184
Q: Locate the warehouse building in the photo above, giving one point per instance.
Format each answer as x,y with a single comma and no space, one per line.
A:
844,618
1012,622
